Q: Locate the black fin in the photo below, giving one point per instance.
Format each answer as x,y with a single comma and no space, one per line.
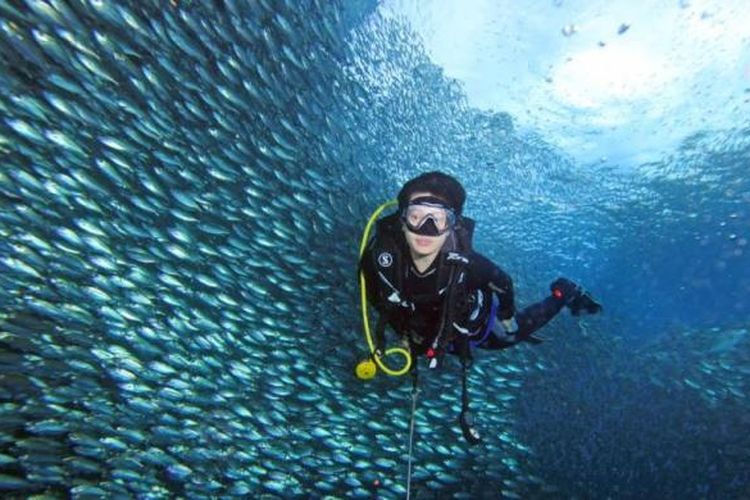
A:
584,303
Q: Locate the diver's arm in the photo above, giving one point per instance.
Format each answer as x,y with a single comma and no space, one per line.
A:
502,285
488,273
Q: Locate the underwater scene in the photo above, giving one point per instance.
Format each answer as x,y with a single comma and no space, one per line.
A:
183,190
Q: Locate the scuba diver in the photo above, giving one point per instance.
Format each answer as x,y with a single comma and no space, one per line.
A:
440,296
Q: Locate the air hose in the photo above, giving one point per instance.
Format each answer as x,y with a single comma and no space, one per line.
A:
362,368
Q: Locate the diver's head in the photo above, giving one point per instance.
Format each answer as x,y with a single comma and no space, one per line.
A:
430,206
427,222
438,184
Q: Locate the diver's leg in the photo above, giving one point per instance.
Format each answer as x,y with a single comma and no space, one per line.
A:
535,316
563,293
529,320
532,318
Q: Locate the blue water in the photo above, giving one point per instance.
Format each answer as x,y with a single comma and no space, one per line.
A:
183,192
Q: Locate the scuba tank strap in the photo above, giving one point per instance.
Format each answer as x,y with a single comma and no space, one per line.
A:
442,339
466,420
463,347
456,290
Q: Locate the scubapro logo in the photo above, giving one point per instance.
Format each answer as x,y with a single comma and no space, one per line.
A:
385,259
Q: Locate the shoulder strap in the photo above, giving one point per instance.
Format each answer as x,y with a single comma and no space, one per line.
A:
460,239
465,231
388,261
453,267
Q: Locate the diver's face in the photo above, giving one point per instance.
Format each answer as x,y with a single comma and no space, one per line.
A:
420,245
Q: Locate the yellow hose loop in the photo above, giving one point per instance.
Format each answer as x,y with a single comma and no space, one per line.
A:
363,294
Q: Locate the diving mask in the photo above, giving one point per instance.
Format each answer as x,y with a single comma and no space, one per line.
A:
428,216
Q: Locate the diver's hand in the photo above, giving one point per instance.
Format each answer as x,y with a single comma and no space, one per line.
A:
510,325
510,328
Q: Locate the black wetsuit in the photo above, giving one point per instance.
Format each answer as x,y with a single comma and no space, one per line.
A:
484,279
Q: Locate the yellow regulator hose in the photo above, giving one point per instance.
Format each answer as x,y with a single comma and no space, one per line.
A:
361,368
